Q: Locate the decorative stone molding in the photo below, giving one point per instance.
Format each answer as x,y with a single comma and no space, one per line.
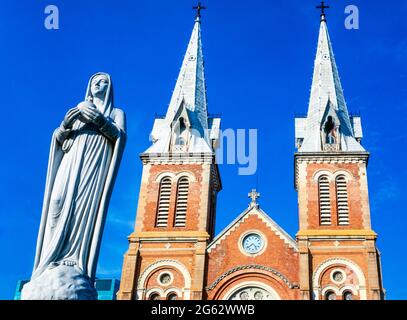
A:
163,175
330,288
332,175
361,288
177,158
321,173
331,157
151,291
328,157
242,217
252,266
359,234
349,288
175,176
339,292
164,263
177,291
247,285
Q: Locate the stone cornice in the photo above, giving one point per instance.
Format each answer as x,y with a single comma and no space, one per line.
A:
169,235
332,157
177,158
333,234
328,157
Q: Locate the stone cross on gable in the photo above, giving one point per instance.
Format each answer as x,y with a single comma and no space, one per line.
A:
254,195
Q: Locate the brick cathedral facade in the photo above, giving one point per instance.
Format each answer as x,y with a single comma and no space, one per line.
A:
173,252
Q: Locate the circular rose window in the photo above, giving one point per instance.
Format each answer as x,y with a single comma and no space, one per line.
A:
165,278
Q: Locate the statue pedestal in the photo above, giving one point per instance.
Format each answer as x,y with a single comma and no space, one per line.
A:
60,283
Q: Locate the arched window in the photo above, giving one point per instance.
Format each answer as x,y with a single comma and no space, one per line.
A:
330,295
182,125
172,296
342,201
324,201
330,129
163,202
347,295
154,296
181,203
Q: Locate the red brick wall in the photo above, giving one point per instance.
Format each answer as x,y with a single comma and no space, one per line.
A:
277,255
354,196
152,188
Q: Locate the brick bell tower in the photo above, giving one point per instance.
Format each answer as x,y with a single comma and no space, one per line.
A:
338,254
177,200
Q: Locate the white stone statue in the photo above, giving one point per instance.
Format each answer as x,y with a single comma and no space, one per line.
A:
84,158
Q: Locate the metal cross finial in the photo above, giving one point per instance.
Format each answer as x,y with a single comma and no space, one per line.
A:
254,195
323,7
198,9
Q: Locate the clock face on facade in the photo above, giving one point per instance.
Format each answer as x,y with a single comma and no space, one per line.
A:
253,243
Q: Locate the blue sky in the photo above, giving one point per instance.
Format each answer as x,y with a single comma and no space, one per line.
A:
258,56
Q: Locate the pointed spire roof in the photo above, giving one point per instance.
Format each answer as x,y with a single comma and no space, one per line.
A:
190,88
189,96
327,92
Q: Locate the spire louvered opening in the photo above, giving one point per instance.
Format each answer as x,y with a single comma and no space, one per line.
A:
163,202
324,201
342,201
181,203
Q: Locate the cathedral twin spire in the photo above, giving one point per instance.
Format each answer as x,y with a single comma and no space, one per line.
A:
328,125
186,126
190,88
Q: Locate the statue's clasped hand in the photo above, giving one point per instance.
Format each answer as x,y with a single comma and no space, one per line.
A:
90,114
70,117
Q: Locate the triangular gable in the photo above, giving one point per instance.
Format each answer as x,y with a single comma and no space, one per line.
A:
254,210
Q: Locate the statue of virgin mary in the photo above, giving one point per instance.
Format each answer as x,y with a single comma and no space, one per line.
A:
84,159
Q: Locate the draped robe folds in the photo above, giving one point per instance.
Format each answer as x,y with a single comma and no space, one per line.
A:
80,178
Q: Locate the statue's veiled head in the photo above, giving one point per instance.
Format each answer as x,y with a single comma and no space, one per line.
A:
101,86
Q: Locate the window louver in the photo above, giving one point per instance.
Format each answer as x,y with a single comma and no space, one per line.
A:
342,201
324,201
181,203
164,202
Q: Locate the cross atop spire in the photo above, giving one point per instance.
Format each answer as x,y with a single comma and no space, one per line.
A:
254,195
323,7
198,9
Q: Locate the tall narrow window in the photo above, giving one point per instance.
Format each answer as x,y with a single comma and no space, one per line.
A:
324,201
342,201
181,203
330,129
163,202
